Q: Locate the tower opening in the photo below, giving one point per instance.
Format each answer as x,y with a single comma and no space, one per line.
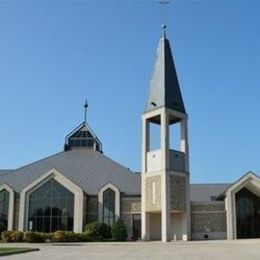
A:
175,137
155,133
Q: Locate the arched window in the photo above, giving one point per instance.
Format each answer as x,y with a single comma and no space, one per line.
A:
247,213
4,209
109,207
51,208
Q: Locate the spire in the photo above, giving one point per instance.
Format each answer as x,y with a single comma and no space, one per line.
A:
164,90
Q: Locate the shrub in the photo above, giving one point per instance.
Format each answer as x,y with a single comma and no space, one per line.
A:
105,231
6,236
34,237
12,236
96,229
64,236
119,231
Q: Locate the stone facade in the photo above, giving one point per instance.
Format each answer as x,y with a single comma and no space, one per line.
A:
153,193
178,192
130,206
208,220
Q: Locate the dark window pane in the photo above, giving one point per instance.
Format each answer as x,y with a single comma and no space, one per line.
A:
109,207
4,206
51,208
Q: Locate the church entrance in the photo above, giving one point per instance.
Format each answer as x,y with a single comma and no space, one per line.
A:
248,214
136,226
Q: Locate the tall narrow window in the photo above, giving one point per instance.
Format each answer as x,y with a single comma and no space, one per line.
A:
4,206
153,192
51,208
109,206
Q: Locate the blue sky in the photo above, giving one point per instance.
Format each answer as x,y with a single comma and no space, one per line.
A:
53,55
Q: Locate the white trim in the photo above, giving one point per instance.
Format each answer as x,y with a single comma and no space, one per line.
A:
100,201
11,205
230,202
59,177
243,181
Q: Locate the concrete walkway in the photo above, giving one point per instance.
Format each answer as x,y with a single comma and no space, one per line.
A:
195,250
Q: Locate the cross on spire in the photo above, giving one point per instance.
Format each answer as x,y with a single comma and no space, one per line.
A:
85,110
163,3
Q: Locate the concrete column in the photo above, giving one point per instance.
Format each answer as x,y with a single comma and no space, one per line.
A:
165,212
186,217
230,204
185,150
145,143
145,149
184,142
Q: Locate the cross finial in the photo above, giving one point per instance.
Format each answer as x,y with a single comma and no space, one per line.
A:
164,30
85,111
164,3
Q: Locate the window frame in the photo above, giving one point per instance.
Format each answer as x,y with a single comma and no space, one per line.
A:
59,177
117,201
10,205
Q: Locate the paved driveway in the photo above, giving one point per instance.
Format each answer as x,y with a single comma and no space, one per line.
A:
196,250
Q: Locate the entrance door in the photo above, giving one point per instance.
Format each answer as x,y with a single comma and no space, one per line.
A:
136,226
248,214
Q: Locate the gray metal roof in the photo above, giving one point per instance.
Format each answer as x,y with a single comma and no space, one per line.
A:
164,89
87,168
5,171
91,170
207,192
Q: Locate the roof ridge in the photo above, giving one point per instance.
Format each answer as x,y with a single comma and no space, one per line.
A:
43,159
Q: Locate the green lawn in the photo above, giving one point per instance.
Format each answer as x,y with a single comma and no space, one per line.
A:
15,250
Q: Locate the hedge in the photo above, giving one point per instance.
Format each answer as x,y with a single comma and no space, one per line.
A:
94,231
12,236
36,237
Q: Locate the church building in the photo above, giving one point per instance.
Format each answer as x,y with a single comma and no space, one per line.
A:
79,185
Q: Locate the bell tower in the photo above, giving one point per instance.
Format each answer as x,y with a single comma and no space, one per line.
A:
165,171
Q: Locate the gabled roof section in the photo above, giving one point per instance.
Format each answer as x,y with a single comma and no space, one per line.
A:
249,180
82,137
88,169
164,87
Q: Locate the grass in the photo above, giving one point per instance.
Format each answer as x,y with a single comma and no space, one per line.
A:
15,250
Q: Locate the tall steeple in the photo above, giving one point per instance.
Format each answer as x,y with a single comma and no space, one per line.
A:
165,171
164,89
